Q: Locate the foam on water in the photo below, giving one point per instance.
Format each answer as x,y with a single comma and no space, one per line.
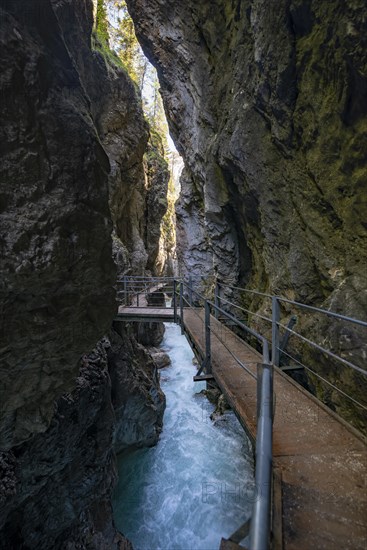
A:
195,486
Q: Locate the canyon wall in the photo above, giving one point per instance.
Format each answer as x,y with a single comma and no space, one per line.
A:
267,104
72,171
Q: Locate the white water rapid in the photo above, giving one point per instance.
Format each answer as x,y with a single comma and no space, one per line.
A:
196,485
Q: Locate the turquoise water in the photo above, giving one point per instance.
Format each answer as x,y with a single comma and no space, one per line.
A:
195,486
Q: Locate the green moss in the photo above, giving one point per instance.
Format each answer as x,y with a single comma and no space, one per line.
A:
100,39
110,57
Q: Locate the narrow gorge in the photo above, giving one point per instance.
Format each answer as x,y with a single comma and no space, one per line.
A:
266,103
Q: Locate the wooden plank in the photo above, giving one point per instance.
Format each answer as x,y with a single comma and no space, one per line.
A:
241,533
202,377
146,314
321,461
277,511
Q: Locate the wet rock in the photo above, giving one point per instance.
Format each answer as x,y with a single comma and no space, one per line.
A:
137,399
273,143
55,222
212,394
148,334
58,498
156,200
161,359
221,408
73,140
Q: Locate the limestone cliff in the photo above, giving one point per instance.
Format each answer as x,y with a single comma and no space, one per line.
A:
56,268
267,102
136,246
73,138
56,488
156,203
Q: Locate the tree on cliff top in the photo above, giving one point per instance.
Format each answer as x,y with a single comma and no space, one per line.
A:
102,23
124,42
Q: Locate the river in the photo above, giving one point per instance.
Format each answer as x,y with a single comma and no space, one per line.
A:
195,486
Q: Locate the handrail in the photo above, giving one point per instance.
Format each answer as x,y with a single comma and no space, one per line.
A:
264,342
134,287
324,311
260,521
323,350
327,312
183,293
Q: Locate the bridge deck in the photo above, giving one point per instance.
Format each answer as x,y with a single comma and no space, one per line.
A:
145,314
321,462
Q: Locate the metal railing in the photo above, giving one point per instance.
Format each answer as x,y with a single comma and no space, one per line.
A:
283,331
259,525
274,315
136,291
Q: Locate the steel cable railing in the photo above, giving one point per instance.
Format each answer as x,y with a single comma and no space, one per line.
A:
324,380
260,521
246,310
136,289
324,350
185,296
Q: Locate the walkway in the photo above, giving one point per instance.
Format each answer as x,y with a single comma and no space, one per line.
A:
146,314
320,463
319,496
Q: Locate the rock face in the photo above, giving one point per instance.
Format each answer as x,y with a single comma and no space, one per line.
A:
72,169
156,201
58,493
55,221
138,401
143,201
57,487
267,102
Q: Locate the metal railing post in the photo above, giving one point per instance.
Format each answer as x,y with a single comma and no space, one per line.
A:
174,302
275,331
208,352
260,522
283,344
190,290
181,308
137,299
216,298
124,286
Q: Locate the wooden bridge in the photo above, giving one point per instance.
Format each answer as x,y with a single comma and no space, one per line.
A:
318,497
